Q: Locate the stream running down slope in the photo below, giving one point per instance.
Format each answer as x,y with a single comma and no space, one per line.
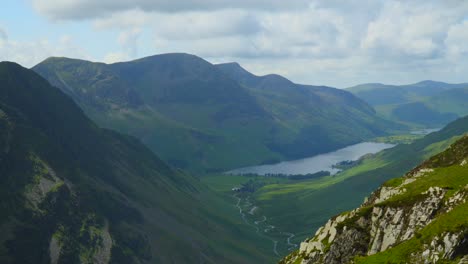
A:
250,214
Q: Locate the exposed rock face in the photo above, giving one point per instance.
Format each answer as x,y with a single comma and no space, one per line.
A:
103,252
45,181
392,215
96,252
54,250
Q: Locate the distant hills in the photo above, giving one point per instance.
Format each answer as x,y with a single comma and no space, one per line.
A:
427,103
71,192
205,118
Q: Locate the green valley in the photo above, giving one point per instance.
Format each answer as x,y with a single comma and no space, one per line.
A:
300,207
233,132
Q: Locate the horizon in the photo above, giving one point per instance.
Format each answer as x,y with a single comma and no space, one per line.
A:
315,42
242,66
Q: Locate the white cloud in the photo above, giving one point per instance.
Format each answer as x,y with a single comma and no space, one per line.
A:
311,32
457,39
3,35
312,41
30,53
83,9
113,57
409,29
128,40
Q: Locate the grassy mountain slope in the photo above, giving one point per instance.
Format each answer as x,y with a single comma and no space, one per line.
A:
197,117
315,111
380,94
419,218
427,103
71,192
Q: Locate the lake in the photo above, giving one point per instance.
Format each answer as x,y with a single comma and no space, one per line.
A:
322,162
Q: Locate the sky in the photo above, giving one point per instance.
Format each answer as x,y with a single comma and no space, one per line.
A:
320,42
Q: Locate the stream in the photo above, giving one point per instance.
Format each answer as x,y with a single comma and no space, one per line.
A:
261,226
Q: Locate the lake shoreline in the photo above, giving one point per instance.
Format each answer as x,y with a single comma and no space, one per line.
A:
316,163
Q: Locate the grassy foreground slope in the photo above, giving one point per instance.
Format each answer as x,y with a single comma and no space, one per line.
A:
71,192
419,218
199,118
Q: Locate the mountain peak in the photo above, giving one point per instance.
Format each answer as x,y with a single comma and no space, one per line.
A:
430,83
174,57
235,70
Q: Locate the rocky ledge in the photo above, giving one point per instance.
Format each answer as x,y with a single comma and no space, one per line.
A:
419,218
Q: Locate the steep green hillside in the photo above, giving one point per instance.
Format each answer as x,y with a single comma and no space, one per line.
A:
452,101
419,218
197,117
317,111
71,192
427,103
382,94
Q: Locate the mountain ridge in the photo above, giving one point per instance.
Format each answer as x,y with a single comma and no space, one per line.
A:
417,104
71,192
180,104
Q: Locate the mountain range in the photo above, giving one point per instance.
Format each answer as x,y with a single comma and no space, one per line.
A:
71,192
81,180
426,103
209,118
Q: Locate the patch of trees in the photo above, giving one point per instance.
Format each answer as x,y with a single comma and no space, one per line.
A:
290,176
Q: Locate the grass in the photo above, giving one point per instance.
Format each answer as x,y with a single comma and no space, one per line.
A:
268,192
398,139
448,178
223,183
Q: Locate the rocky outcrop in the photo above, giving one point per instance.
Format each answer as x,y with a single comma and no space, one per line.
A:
102,255
55,248
45,181
401,210
445,246
94,242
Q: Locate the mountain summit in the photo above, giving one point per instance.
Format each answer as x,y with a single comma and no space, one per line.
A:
206,117
72,192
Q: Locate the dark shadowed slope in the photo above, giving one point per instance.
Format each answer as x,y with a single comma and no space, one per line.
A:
72,192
